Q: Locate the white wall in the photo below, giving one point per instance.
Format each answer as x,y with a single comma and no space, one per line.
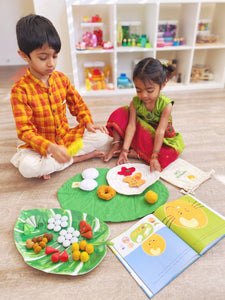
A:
55,11
12,10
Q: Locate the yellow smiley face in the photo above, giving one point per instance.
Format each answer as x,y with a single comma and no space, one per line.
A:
155,245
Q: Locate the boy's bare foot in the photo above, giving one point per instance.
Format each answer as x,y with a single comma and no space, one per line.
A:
46,177
113,152
95,153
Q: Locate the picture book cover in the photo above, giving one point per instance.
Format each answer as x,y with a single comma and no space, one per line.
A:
161,245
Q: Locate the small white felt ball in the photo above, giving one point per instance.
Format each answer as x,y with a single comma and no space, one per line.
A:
76,233
64,224
57,216
51,226
66,243
57,228
74,240
88,184
64,218
61,239
90,173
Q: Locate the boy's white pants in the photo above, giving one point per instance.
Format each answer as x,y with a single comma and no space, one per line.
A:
32,164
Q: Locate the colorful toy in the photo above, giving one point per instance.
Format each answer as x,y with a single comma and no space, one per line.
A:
124,82
106,192
151,197
75,147
135,180
96,77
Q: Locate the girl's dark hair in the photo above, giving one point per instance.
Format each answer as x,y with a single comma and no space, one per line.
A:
151,69
33,31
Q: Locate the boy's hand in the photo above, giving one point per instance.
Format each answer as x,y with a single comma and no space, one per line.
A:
93,127
59,153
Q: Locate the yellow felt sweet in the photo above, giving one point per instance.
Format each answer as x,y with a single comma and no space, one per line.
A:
75,147
151,197
84,257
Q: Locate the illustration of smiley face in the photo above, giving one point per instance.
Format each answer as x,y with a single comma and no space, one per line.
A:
185,214
155,245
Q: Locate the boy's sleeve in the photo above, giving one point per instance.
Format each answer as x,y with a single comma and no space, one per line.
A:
26,130
77,106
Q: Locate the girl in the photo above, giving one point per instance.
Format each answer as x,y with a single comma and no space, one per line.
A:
144,129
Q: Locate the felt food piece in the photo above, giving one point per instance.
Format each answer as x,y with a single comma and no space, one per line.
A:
151,197
75,147
106,192
135,180
57,222
67,237
91,173
126,171
88,234
55,257
84,257
76,255
88,184
89,248
64,256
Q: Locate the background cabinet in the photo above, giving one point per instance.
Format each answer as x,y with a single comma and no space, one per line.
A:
145,17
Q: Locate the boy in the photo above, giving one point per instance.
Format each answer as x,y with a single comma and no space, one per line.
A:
39,102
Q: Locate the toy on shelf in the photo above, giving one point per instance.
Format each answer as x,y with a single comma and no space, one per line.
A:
128,35
166,37
96,19
92,37
204,34
96,76
124,82
201,72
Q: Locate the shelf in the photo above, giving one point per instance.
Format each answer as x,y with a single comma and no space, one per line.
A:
144,17
132,49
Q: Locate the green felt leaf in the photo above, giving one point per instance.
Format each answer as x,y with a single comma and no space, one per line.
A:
118,209
43,262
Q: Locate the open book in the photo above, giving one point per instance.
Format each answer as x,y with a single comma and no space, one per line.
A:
161,245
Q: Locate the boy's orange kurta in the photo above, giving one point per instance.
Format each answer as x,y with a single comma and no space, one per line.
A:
40,111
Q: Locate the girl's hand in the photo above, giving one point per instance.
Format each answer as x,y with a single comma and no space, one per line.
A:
155,165
122,158
59,153
93,127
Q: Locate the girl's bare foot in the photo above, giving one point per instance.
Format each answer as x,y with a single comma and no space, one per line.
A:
113,152
133,154
95,153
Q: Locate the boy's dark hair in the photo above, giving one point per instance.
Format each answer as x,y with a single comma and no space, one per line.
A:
33,31
151,69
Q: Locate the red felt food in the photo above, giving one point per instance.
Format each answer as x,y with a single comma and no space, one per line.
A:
82,225
126,171
50,250
88,234
64,257
55,257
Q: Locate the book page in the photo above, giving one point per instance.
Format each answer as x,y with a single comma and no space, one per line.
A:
152,253
195,223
